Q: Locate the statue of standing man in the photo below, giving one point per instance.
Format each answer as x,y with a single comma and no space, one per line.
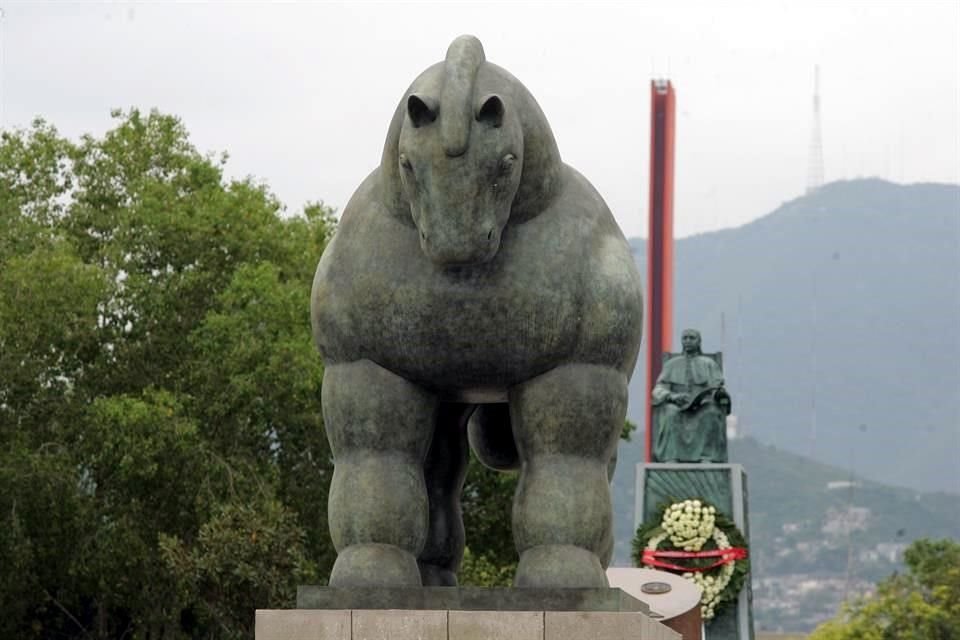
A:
690,407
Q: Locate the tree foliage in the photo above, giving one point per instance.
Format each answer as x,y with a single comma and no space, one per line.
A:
923,603
163,466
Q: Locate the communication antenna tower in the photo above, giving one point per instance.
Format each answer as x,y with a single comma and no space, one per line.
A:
815,168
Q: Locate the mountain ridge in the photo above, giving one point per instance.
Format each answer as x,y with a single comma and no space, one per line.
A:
861,271
838,316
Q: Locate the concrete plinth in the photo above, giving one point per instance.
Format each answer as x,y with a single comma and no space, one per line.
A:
725,486
467,599
386,624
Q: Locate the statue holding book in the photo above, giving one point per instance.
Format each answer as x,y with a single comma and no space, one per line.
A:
691,406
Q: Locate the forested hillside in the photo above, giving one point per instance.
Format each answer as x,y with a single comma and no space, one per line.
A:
838,315
163,466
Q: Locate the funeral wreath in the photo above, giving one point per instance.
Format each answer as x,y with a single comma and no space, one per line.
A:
693,539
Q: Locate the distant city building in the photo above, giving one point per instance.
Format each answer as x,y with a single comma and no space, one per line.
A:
833,485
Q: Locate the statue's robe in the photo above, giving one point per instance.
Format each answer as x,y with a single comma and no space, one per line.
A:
698,435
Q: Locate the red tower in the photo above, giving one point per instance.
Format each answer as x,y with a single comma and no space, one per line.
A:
659,237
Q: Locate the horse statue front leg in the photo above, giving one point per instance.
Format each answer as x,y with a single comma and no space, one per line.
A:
567,422
379,426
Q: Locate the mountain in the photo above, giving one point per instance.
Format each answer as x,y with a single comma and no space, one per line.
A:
839,318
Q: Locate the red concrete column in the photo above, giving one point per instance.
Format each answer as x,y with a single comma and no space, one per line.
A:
660,237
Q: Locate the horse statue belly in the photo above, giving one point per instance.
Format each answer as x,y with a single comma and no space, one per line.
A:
475,285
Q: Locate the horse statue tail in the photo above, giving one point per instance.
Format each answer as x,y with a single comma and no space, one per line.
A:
464,57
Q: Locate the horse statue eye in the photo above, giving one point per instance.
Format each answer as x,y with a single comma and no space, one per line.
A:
405,162
506,163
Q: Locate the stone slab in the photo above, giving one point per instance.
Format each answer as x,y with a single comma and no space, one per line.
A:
495,625
294,624
369,624
372,624
467,599
579,625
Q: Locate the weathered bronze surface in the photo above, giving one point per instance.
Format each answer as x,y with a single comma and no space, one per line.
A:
690,407
476,284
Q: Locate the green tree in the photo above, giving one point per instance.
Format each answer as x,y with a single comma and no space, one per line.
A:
923,603
163,467
163,464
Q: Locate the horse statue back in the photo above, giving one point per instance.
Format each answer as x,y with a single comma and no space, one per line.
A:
477,292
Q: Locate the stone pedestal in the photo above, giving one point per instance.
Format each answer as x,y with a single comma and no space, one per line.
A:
468,599
394,624
461,613
725,486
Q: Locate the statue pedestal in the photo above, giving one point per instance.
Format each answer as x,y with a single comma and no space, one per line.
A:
725,486
398,624
461,613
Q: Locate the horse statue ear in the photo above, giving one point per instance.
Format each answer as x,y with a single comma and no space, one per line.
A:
421,109
491,112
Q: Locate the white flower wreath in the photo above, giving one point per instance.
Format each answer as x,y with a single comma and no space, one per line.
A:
689,525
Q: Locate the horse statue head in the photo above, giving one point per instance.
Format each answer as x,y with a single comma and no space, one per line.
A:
468,151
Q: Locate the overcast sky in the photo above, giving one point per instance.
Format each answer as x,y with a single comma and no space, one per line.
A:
300,95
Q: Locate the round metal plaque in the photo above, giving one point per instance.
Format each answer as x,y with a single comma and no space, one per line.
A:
655,588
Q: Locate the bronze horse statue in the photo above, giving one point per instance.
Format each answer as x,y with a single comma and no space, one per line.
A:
477,292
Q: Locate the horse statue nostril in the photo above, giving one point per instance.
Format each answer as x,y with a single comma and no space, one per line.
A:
490,234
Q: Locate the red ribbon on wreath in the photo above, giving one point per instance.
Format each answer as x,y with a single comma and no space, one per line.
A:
651,558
